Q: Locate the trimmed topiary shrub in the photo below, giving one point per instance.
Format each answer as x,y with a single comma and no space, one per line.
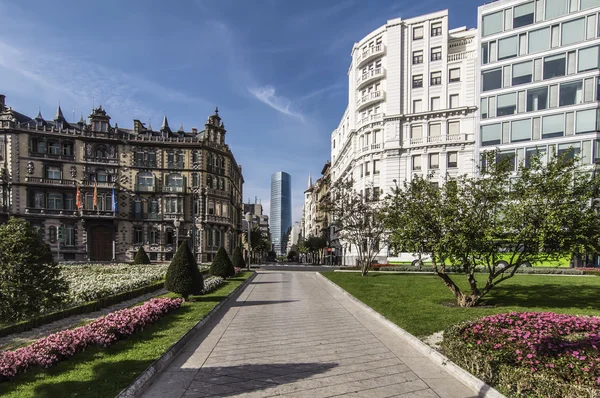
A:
141,257
183,276
221,265
237,259
30,281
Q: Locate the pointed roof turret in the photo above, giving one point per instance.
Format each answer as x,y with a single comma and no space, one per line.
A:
81,122
39,115
59,114
149,125
180,128
165,125
310,184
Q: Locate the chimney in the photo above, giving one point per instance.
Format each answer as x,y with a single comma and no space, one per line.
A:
2,102
194,130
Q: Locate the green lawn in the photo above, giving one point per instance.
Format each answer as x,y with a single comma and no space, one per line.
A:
422,304
562,262
105,372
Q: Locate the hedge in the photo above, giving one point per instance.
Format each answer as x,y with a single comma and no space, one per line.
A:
532,271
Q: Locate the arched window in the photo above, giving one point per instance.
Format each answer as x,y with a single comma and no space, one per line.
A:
101,176
209,181
145,181
100,152
54,148
209,162
175,180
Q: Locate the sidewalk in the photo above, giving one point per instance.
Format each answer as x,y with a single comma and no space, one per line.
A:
290,334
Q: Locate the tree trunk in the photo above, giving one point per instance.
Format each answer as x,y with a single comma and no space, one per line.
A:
364,269
462,299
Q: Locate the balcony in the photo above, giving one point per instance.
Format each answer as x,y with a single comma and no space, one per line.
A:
173,216
91,159
370,99
217,219
436,140
97,213
145,163
368,54
173,189
175,165
370,76
153,216
52,156
462,55
217,192
99,184
50,181
145,188
54,212
377,117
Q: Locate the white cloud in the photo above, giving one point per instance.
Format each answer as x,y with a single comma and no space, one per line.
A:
266,94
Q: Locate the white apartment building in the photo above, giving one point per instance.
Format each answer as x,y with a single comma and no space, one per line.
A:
411,107
538,84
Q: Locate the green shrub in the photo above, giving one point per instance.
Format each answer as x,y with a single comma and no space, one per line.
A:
30,280
238,259
222,265
183,276
141,257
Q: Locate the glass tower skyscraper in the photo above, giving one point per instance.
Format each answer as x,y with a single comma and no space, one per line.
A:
281,209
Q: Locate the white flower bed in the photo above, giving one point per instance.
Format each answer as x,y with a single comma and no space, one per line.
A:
211,283
90,282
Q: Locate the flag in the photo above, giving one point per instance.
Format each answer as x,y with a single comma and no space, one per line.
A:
114,201
78,199
95,194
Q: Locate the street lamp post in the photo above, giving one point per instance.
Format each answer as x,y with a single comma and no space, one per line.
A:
249,221
176,224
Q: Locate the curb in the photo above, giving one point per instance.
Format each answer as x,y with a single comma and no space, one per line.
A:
144,379
482,388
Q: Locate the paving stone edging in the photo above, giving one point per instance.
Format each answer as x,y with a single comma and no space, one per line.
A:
483,389
143,380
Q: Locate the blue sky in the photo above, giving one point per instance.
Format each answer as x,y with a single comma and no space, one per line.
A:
276,68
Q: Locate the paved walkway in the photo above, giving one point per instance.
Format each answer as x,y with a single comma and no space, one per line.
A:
290,334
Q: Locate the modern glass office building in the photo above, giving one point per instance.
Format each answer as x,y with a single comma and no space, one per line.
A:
539,86
281,209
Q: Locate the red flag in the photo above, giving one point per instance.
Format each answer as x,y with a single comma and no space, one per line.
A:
95,194
78,199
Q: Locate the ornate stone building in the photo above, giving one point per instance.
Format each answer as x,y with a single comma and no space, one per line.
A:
98,192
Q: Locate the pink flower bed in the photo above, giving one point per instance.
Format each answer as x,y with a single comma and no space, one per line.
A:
237,270
103,332
562,346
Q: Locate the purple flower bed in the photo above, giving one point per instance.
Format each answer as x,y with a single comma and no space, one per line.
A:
102,332
562,348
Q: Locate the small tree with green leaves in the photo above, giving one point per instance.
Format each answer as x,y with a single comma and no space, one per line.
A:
183,276
222,265
30,279
141,257
238,259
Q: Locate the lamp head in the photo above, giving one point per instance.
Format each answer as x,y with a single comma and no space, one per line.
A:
248,217
176,223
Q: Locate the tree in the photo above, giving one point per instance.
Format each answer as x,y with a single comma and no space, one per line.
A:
30,279
292,255
498,222
315,246
222,265
358,220
183,276
237,258
141,257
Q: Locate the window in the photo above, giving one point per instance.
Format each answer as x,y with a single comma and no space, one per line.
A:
368,168
532,153
376,193
506,159
54,148
417,106
138,235
508,47
436,78
417,81
523,15
483,108
416,162
52,234
436,29
539,40
55,201
153,236
521,73
417,32
376,167
101,152
568,151
454,127
435,130
53,173
493,23
69,235
484,54
416,131
573,31
585,4
435,103
537,99
492,79
454,75
454,101
491,134
571,93
588,59
520,130
174,180
553,126
137,209
417,57
555,8
145,179
41,147
507,104
153,209
434,160
554,66
587,121
69,202
436,53
452,158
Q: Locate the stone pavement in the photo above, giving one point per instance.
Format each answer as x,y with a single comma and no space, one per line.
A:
290,334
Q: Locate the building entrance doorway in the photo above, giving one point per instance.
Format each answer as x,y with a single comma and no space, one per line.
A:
100,241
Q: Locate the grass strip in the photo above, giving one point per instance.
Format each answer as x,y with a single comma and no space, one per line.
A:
422,305
99,372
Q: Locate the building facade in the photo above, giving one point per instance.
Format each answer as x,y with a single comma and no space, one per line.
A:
411,108
97,192
538,84
281,210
